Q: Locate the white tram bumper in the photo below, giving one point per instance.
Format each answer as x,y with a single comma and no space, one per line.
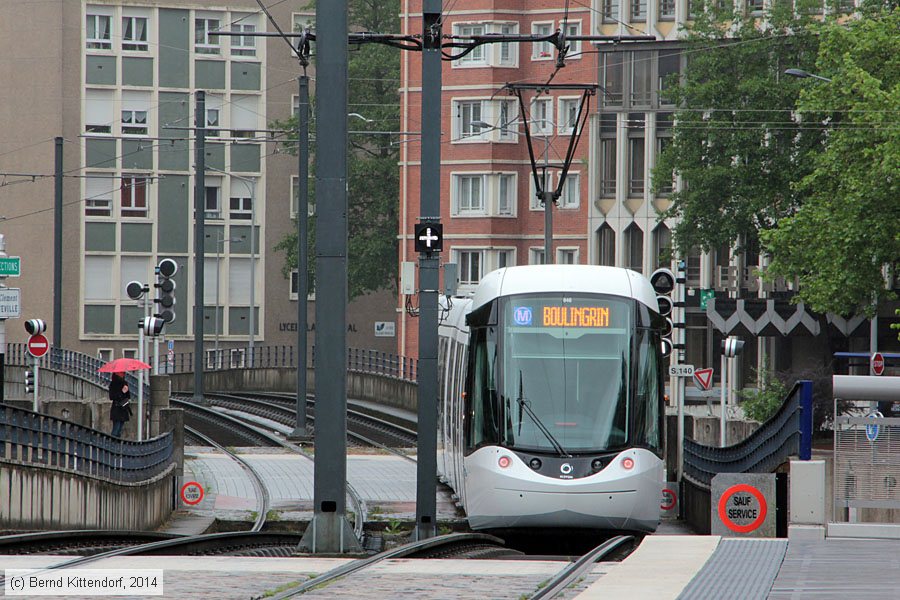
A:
516,496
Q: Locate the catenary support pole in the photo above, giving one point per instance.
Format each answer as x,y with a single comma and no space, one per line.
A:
329,532
300,432
57,242
549,259
429,264
724,395
199,241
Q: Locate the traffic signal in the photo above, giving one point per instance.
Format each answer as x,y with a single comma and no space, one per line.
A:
663,282
165,289
29,382
732,346
152,325
35,326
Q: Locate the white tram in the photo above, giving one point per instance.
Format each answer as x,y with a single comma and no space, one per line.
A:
552,399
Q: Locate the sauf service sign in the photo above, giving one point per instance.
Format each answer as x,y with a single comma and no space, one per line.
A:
743,505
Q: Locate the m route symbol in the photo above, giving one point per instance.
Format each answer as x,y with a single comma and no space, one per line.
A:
38,345
191,493
703,378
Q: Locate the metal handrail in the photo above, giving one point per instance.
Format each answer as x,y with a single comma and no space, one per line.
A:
787,433
36,439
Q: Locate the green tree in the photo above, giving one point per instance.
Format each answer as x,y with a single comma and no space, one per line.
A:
373,177
735,144
848,226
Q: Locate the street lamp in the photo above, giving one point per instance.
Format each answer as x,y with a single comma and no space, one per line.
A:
546,194
220,242
805,74
251,182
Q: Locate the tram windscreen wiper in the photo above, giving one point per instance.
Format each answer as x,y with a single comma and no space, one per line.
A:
524,405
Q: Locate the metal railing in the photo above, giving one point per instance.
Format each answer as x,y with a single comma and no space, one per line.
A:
787,433
35,439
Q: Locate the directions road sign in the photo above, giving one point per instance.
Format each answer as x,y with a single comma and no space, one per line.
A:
681,370
877,363
703,378
38,345
10,303
10,266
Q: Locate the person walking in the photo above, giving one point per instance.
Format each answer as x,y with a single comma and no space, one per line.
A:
120,411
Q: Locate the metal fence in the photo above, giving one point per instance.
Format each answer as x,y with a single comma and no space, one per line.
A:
787,433
35,439
866,462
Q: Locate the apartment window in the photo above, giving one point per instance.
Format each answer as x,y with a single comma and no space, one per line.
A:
641,88
507,132
634,248
244,115
535,256
506,195
571,191
134,196
205,39
295,286
662,246
610,10
104,354
470,266
567,256
213,115
638,10
243,45
541,50
537,202
240,208
98,278
568,114
693,268
134,33
669,67
132,268
129,353
98,111
475,58
98,34
612,70
467,113
636,166
98,195
469,194
667,185
542,116
755,6
211,206
573,28
134,122
608,166
666,9
505,259
606,246
507,51
295,199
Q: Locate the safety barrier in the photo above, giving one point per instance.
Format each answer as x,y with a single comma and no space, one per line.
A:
34,439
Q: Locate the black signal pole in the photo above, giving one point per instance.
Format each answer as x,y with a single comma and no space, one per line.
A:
199,241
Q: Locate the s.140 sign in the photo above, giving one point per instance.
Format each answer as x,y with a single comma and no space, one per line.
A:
681,370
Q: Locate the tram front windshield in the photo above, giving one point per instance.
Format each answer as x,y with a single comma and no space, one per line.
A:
565,372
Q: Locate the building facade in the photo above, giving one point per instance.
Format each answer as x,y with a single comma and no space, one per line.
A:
117,82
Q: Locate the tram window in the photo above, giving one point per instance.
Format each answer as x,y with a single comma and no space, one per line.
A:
483,425
646,401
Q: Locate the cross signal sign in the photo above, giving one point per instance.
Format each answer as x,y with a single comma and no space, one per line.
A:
429,237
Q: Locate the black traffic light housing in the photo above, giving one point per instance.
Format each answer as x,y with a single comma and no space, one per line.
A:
663,282
35,326
732,346
165,289
29,381
152,325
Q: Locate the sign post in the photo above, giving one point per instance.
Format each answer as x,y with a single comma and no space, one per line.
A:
38,345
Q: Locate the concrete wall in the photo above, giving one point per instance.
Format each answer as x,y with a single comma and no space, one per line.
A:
48,498
51,384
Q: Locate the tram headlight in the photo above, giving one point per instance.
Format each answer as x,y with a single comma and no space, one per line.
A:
535,463
597,464
628,463
504,462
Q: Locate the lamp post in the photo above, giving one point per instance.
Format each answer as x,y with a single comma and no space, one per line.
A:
546,193
251,182
220,242
805,75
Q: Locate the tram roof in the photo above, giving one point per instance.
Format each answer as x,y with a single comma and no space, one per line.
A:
588,279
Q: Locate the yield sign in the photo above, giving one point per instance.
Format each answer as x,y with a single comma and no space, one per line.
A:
703,378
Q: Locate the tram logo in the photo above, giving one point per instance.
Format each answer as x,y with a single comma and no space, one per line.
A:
522,315
565,469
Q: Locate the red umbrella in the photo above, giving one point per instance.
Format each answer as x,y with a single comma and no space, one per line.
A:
121,365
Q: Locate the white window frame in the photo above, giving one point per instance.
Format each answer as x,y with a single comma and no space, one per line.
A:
98,43
105,354
511,185
99,106
463,112
463,257
510,253
243,45
542,124
542,50
573,28
458,187
214,110
127,204
213,213
99,190
206,45
506,114
294,285
295,199
133,44
129,353
244,115
570,198
236,357
99,273
534,203
244,211
561,253
478,57
511,49
535,254
567,109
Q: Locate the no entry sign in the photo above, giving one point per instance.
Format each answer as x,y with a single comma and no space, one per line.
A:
38,345
192,493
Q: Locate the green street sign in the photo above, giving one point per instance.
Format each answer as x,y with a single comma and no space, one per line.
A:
10,266
704,296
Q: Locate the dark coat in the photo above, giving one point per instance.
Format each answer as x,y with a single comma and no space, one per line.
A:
121,398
